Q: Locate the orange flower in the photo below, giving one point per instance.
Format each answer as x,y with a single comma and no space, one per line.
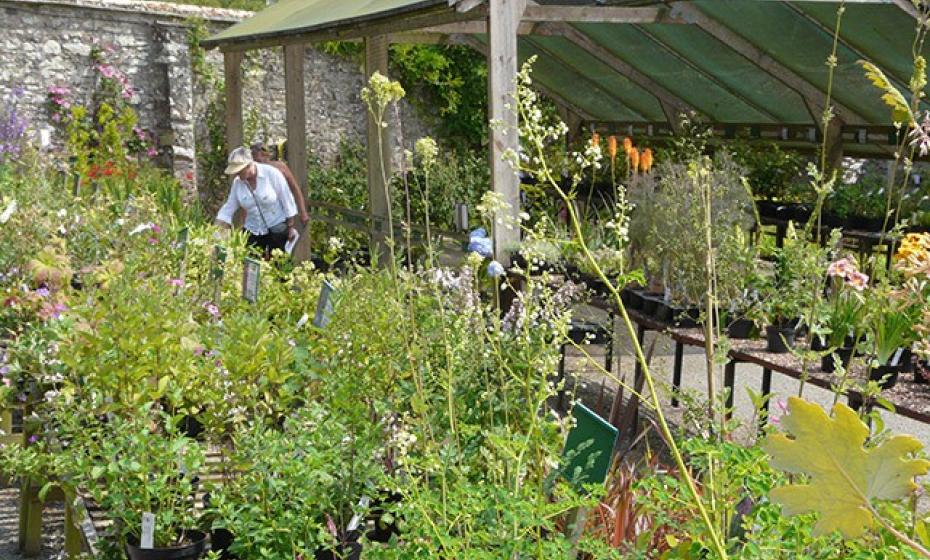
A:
645,162
612,147
634,159
595,140
627,145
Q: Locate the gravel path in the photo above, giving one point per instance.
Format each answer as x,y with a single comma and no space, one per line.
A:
53,534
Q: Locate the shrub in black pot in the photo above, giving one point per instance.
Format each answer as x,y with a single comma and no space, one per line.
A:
779,338
828,362
194,546
740,328
886,375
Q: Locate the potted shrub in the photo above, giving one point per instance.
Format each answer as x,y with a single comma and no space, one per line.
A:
790,290
889,331
842,312
136,464
298,487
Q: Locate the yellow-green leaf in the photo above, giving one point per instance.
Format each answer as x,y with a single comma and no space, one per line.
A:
843,474
900,110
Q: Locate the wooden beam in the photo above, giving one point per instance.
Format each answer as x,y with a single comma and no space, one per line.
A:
811,93
439,15
598,14
666,97
561,102
296,115
834,145
908,7
379,155
503,18
232,74
474,28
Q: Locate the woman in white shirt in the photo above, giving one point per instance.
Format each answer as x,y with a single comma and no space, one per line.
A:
262,191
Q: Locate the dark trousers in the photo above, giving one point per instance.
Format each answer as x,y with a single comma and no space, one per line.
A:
268,242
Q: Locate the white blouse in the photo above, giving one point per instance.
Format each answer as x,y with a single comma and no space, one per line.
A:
272,194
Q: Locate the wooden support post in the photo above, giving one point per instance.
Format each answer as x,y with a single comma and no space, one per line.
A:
30,520
503,19
295,105
676,372
232,72
834,145
379,155
729,383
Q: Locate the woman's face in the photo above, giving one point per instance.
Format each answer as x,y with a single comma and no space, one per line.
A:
248,173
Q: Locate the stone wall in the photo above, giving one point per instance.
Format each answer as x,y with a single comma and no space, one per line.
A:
47,43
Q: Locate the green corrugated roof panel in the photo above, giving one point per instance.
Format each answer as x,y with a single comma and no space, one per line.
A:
881,35
567,83
797,45
600,76
308,15
637,49
744,78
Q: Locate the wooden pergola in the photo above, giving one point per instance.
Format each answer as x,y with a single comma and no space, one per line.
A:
629,66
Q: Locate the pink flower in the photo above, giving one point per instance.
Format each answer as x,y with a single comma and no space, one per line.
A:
176,282
152,152
156,229
840,268
857,280
153,241
212,309
7,381
106,70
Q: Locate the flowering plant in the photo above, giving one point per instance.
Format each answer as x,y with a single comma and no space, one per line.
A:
843,310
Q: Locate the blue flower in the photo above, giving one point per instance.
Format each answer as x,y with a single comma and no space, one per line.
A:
495,269
478,232
482,246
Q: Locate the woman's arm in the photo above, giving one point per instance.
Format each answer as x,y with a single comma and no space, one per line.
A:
224,218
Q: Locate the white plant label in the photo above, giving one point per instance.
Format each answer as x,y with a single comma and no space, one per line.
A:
148,531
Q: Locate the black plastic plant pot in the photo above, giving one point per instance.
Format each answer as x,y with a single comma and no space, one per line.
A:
650,304
887,376
780,339
195,548
740,329
767,208
347,551
828,362
687,318
635,300
664,312
220,541
191,427
922,372
818,344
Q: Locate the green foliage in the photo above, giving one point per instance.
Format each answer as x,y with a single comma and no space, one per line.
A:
773,172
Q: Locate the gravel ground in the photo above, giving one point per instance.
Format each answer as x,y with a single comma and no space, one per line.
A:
53,534
694,381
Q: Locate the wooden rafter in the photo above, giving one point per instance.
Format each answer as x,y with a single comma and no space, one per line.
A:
908,7
811,93
564,104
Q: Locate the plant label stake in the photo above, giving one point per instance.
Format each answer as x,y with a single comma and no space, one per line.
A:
219,262
182,269
461,216
250,274
148,531
324,306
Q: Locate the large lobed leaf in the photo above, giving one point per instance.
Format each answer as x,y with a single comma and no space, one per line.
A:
843,473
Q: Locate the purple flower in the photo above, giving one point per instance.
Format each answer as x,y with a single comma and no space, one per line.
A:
43,292
4,370
33,438
212,309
